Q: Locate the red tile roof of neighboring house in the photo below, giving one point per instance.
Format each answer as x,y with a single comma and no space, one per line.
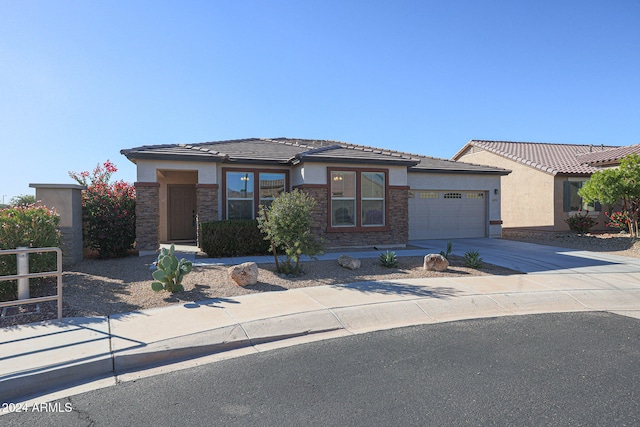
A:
550,158
608,157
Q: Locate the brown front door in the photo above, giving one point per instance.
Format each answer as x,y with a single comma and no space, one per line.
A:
182,212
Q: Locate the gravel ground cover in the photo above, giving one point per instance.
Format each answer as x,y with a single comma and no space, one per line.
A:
97,287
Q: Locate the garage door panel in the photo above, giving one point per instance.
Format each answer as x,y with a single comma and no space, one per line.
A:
447,214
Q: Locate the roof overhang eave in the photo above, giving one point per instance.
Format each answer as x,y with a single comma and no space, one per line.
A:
460,171
155,156
284,162
390,162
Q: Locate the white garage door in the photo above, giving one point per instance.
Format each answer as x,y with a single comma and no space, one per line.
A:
446,214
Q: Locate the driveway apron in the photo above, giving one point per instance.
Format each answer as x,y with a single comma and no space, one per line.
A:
533,258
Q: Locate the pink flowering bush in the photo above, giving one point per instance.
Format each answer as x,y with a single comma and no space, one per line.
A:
108,211
32,226
580,222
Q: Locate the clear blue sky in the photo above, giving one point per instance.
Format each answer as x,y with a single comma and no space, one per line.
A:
80,80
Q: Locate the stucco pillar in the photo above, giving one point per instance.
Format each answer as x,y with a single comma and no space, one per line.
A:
207,206
66,199
147,217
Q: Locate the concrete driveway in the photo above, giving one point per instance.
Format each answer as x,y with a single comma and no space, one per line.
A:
533,258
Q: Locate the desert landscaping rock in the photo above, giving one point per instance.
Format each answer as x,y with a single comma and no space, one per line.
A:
244,274
435,262
101,287
349,262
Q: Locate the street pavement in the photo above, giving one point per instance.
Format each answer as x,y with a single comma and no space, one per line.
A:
40,359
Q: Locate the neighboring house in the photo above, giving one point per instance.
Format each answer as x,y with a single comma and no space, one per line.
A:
542,190
365,196
608,158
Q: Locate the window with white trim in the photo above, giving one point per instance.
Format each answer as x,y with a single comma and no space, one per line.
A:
343,199
240,195
271,186
241,191
358,198
372,202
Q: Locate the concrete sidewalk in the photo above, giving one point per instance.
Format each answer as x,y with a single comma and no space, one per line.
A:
39,358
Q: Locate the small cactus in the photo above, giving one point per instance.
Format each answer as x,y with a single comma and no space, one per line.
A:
472,259
388,259
170,272
448,252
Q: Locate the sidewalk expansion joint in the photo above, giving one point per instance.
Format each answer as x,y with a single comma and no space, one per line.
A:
415,301
330,310
111,352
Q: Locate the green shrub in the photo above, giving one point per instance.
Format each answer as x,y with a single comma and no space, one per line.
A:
108,211
287,224
580,222
232,238
448,252
472,259
388,259
170,272
30,226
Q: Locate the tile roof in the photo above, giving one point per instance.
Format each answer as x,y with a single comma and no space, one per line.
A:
263,150
434,164
293,151
550,158
173,152
608,157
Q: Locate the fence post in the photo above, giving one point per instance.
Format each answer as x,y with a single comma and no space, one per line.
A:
23,268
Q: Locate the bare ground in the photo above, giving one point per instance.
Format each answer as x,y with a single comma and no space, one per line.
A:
97,287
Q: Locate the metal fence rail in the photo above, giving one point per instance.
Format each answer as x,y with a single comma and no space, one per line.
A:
57,273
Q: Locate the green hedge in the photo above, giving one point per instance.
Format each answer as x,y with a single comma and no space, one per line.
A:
30,226
233,238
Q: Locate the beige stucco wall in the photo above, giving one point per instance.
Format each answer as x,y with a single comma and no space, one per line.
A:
464,182
528,194
66,199
316,173
147,169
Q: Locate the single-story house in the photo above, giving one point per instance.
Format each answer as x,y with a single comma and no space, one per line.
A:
542,189
365,196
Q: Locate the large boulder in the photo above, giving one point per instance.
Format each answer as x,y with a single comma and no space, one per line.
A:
349,262
435,262
244,274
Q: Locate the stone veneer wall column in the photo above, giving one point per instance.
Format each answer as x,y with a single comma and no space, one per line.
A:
147,217
207,206
319,214
399,214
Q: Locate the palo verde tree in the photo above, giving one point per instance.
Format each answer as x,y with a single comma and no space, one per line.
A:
287,223
617,185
